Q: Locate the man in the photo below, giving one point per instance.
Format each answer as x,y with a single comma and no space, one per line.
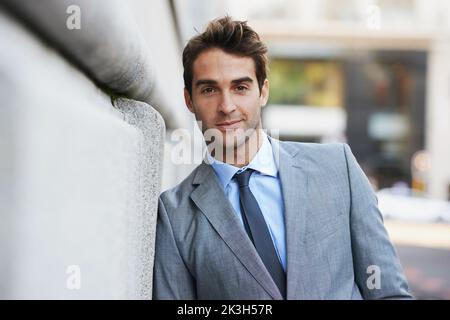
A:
261,218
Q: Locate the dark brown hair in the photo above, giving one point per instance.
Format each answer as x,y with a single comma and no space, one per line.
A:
233,37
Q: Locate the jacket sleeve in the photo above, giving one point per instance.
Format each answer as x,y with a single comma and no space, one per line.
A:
377,269
171,278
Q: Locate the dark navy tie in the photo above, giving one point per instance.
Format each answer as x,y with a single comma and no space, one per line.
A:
257,230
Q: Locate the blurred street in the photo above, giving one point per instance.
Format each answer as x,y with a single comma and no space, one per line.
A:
424,251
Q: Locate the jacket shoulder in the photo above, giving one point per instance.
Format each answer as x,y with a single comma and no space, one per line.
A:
315,150
178,196
326,158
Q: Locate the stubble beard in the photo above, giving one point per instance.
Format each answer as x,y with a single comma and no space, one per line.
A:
236,147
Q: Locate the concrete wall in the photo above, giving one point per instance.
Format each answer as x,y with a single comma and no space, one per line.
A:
80,174
166,49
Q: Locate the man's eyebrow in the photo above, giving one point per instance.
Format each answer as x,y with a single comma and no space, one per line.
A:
243,79
214,82
206,81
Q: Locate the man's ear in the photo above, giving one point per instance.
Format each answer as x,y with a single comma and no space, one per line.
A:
264,97
188,101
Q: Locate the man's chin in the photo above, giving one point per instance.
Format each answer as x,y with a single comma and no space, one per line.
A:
229,139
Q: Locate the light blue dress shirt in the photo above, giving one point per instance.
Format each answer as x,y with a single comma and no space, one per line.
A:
266,187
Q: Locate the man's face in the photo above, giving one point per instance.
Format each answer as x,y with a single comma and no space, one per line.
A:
226,96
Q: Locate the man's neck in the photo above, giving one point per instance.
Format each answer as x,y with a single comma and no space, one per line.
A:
243,154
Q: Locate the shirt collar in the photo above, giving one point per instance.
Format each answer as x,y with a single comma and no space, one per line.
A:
263,162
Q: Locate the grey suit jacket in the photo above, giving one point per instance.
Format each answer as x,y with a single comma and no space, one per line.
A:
334,234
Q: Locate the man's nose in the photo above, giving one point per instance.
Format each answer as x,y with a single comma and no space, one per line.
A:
226,104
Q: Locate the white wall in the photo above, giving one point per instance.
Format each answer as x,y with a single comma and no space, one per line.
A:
79,178
437,132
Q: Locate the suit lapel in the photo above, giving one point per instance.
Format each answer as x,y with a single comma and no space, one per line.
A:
294,184
211,200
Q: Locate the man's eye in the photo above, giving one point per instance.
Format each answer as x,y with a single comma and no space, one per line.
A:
241,88
208,90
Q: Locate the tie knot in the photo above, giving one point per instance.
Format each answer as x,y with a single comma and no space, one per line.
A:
243,177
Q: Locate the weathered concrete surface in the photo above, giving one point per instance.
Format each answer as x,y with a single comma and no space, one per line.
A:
79,179
108,46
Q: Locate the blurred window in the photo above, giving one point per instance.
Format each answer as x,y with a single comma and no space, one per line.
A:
306,82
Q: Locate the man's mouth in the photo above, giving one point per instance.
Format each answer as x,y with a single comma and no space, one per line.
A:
228,125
